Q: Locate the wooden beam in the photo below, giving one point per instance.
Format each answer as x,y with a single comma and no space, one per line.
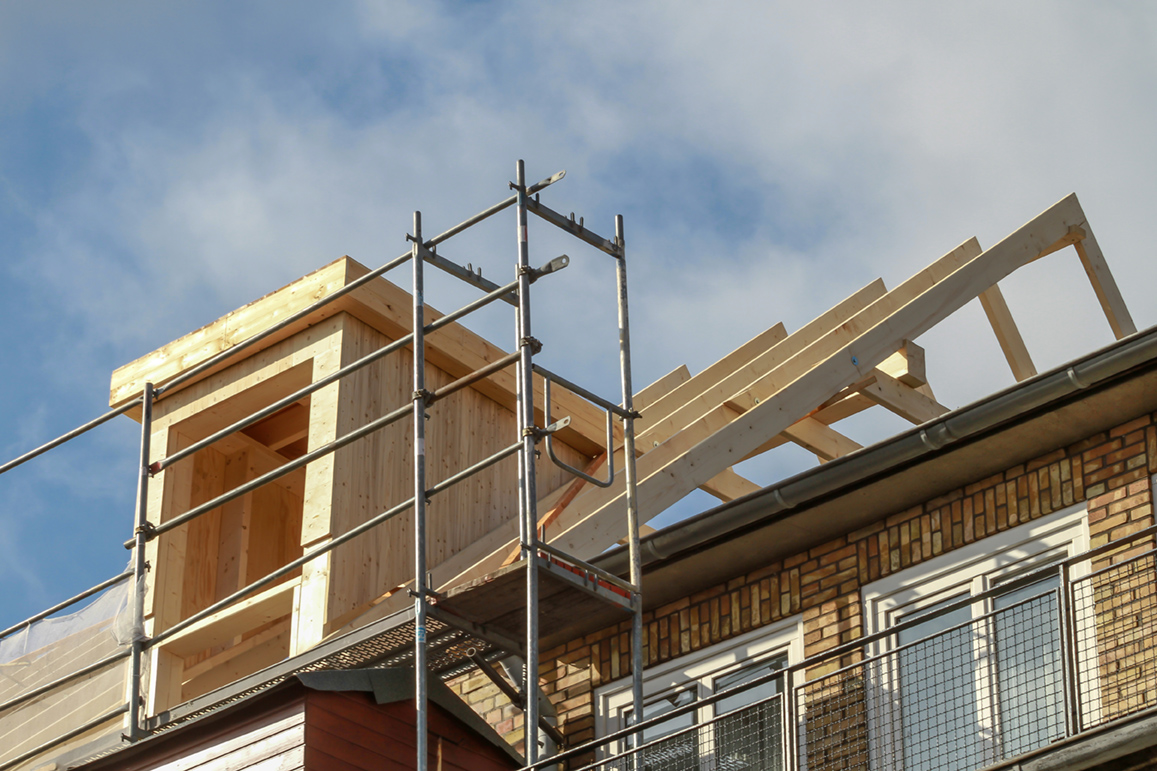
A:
851,402
903,400
824,441
853,359
713,374
232,652
762,366
168,361
242,617
728,485
294,481
644,530
661,387
283,428
865,319
907,365
1104,285
1007,334
1076,234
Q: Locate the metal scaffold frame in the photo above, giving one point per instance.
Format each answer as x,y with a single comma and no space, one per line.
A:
534,551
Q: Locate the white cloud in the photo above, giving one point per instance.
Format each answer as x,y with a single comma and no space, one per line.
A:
770,160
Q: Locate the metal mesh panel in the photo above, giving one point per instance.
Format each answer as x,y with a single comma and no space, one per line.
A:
959,697
747,738
1115,612
954,688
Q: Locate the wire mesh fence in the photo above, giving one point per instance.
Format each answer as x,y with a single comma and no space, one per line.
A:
750,737
961,686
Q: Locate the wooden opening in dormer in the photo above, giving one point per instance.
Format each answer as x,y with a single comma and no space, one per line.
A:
243,540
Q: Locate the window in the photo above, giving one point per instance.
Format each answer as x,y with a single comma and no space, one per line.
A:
979,677
749,730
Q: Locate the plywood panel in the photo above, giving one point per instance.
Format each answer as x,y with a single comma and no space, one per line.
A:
376,473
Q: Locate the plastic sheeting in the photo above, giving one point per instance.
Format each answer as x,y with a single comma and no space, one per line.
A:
53,648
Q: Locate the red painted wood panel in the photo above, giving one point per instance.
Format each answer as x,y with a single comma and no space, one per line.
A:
350,731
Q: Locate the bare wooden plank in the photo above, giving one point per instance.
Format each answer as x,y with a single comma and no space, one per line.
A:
664,385
821,439
247,661
907,365
728,485
284,428
1007,334
904,401
262,608
1104,285
236,650
713,374
859,306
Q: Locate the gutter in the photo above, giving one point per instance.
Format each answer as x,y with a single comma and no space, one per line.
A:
907,448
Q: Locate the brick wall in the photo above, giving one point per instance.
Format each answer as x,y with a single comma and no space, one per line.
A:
1110,471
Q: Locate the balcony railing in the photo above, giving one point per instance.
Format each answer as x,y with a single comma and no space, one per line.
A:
983,679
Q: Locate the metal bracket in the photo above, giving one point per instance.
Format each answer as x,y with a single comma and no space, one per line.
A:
557,264
534,343
430,593
539,433
421,394
566,466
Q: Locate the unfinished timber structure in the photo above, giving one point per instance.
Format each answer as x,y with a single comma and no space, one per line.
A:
262,529
338,476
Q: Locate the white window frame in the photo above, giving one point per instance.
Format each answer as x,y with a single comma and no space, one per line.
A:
966,571
699,670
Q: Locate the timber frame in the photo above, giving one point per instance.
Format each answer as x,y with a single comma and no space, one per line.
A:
781,388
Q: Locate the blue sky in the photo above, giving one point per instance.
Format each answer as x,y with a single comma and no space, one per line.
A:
162,164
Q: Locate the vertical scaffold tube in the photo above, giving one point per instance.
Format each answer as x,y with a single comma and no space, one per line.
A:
629,468
526,480
138,596
419,397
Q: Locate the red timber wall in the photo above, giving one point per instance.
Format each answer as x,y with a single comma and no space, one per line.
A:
1109,471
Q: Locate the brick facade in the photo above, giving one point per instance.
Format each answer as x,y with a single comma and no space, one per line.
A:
1109,471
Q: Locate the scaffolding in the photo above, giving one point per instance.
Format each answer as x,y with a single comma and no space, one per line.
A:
437,639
